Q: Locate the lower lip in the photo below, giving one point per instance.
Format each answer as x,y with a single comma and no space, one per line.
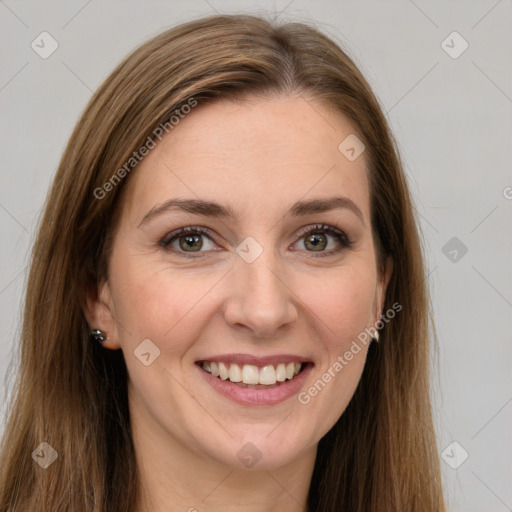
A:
247,396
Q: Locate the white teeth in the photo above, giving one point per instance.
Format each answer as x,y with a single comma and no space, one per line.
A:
214,368
281,372
268,375
250,374
235,373
224,374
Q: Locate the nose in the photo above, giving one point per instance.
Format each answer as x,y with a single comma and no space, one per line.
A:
259,298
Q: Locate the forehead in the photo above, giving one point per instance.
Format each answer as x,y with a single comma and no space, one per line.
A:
251,155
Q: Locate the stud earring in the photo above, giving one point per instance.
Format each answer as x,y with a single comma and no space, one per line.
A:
98,335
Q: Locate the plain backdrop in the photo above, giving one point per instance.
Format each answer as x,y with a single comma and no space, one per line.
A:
448,98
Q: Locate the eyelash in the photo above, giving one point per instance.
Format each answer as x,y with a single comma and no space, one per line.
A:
341,237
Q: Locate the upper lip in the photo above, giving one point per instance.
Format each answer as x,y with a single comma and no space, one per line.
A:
242,359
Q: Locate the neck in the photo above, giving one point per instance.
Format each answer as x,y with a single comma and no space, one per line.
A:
174,478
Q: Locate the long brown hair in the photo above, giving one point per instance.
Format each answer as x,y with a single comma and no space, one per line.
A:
381,454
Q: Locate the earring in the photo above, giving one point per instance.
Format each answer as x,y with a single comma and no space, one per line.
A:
376,336
98,335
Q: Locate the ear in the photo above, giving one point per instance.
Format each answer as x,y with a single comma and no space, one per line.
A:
99,312
382,286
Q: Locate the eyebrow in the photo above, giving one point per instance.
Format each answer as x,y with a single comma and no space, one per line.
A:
211,209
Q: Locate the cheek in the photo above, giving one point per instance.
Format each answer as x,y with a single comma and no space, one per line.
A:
344,305
156,302
147,302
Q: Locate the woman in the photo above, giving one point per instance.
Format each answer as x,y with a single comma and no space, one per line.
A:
226,308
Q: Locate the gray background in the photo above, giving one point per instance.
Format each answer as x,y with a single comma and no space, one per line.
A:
451,116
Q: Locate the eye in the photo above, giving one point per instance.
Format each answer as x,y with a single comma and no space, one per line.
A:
194,239
190,239
316,239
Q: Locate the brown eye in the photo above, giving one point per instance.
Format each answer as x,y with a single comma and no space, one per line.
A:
315,241
318,239
192,242
188,240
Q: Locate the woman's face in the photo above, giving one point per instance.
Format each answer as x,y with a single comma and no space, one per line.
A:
273,271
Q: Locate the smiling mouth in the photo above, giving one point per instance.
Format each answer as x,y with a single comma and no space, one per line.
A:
252,376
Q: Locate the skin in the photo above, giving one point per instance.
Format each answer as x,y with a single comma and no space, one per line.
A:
258,157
